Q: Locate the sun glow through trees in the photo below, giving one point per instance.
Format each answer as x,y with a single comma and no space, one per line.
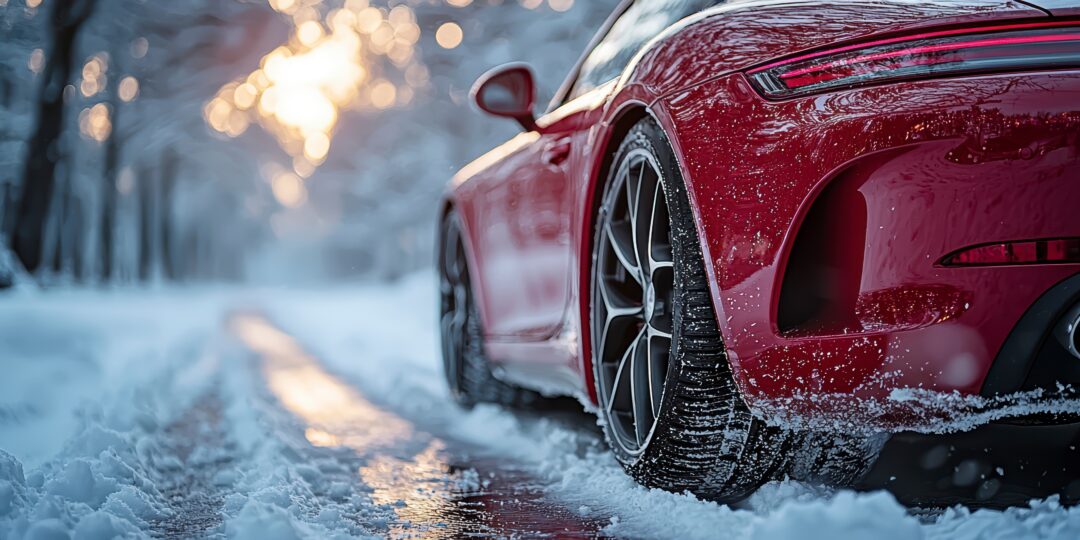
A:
341,55
302,87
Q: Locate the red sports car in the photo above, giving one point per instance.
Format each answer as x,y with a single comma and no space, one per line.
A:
758,235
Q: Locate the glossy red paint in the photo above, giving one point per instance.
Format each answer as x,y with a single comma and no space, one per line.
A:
923,169
888,179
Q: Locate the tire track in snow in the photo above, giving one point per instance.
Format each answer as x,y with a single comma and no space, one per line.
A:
437,487
198,440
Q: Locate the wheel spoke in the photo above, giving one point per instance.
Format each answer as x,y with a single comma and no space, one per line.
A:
658,241
612,312
617,382
622,245
654,331
638,225
658,355
648,185
613,309
633,287
630,186
453,256
639,388
453,328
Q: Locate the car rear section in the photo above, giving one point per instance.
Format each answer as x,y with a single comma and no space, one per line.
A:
888,197
889,207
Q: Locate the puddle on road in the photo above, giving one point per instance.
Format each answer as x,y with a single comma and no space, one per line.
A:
437,487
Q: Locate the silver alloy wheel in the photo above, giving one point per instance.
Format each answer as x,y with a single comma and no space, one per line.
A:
633,288
454,296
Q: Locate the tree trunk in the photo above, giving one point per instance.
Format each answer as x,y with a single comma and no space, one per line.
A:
44,151
7,215
59,212
74,239
170,165
146,228
109,194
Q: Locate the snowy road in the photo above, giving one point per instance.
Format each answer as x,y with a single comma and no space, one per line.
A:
292,414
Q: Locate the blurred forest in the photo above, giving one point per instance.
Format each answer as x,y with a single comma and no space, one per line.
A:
274,141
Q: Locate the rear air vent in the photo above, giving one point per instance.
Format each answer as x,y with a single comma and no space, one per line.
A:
822,277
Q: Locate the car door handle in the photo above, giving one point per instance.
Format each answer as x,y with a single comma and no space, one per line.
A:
556,152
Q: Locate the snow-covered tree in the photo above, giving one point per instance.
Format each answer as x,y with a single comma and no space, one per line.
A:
140,140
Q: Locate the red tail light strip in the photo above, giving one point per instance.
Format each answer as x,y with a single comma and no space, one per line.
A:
1054,251
1020,47
915,37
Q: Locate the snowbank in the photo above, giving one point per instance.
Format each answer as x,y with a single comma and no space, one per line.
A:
383,340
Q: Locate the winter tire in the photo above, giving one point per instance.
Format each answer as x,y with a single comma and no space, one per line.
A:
670,407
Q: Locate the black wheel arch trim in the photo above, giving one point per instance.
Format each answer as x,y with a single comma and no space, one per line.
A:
1017,355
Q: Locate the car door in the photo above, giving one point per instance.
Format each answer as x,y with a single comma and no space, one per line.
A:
524,237
529,246
527,236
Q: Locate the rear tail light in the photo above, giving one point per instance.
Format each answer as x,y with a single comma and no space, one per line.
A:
1055,251
964,51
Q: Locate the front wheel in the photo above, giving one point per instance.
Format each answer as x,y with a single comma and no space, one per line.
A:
468,373
670,407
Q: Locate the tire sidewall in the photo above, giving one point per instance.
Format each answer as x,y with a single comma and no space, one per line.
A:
646,135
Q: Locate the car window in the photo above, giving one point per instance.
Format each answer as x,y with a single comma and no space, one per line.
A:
642,21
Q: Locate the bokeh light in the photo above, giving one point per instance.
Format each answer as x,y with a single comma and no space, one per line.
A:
128,88
449,35
289,189
139,47
37,61
94,74
95,122
300,89
561,5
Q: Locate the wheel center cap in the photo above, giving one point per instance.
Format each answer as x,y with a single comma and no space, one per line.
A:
650,301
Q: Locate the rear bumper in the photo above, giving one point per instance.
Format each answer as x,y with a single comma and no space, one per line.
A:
858,195
995,465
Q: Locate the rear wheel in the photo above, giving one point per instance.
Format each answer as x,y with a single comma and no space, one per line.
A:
468,373
671,409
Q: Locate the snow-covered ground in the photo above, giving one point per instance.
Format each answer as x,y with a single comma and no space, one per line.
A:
322,413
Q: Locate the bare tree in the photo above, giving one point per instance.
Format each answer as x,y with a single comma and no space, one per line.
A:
39,173
147,208
109,195
170,165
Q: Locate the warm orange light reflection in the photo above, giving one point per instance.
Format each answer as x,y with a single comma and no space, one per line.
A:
407,470
335,413
500,152
318,437
420,482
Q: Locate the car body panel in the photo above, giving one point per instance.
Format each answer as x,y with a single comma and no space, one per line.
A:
522,210
933,166
750,203
739,35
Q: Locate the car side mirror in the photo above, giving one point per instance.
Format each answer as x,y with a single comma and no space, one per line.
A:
508,91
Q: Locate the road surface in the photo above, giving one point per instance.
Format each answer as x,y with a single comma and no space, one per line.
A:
322,413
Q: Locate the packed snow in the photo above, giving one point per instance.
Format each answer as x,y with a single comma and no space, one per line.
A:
311,413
